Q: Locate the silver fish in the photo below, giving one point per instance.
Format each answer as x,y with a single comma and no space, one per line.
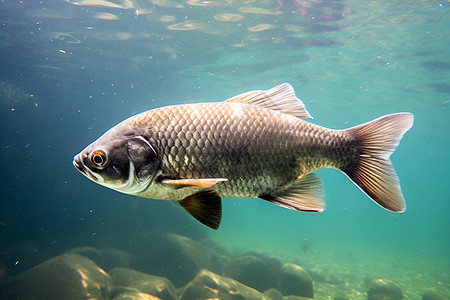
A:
251,145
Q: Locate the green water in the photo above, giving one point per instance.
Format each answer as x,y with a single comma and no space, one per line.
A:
71,70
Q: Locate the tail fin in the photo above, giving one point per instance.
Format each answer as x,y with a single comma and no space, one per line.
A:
372,170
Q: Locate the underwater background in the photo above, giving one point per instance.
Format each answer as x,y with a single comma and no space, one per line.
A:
70,70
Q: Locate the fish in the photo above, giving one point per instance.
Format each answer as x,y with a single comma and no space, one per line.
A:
254,145
305,244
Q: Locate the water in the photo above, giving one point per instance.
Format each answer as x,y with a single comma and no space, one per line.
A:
69,70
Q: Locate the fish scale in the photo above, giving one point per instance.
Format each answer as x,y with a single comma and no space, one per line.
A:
247,144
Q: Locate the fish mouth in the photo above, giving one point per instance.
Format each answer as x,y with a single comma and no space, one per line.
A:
78,163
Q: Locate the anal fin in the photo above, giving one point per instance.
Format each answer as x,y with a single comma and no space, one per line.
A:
305,195
205,206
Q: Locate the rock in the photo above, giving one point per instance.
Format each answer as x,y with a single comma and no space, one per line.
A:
432,295
274,294
273,263
149,284
117,290
208,285
178,258
127,293
88,252
117,258
124,293
65,277
292,297
251,271
294,280
382,289
135,296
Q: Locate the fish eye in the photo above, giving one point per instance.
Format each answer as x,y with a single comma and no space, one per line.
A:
98,158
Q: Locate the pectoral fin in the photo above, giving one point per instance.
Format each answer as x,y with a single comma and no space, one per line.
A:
305,195
198,183
205,206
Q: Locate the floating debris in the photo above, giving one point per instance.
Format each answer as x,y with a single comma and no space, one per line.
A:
228,17
143,11
209,2
125,4
293,28
188,25
64,36
167,19
258,10
262,27
167,3
123,35
106,16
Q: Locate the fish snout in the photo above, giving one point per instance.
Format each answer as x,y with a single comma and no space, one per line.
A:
77,163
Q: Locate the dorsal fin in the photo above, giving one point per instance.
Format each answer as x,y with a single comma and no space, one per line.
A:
281,98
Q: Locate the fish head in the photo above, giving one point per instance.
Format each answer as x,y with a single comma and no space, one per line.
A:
121,159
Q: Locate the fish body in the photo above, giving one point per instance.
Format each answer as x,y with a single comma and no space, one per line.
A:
252,145
255,149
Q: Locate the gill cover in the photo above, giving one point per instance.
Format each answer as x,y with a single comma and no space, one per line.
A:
142,157
136,162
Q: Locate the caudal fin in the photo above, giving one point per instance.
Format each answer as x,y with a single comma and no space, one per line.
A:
372,170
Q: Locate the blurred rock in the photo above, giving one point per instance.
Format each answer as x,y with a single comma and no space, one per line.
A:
117,258
273,263
23,255
117,290
135,296
341,298
65,277
274,294
432,295
88,252
149,284
3,271
178,258
382,289
252,271
368,280
208,285
293,297
294,280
